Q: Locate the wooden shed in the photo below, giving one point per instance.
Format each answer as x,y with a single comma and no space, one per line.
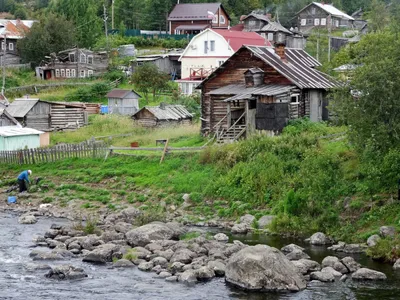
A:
6,119
163,115
16,138
123,102
48,116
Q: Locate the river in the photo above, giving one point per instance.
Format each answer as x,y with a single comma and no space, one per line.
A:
105,283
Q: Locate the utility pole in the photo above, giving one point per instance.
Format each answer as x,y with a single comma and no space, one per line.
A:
112,15
4,64
105,18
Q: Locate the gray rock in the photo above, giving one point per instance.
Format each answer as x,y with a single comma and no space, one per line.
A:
306,266
146,266
387,231
291,248
265,221
42,255
183,255
54,244
240,228
247,219
102,254
396,265
329,261
31,267
350,264
74,245
263,268
176,267
296,255
66,272
319,238
332,271
218,267
368,274
205,273
164,274
157,269
109,236
354,248
338,247
188,277
152,247
172,279
62,238
322,276
186,197
141,252
129,214
187,267
123,263
143,235
344,278
167,254
122,227
373,240
161,261
27,219
89,242
341,268
51,234
221,237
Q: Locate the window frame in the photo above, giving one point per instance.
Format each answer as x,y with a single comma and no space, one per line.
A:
11,46
303,22
73,73
215,19
323,21
82,72
205,47
212,46
57,73
90,73
62,72
82,61
90,57
72,55
316,22
222,19
68,73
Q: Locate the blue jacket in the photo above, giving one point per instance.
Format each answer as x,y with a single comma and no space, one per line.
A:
24,176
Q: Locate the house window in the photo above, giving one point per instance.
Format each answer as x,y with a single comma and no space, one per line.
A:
252,23
90,73
323,21
205,47
2,45
222,19
316,22
57,72
83,74
11,46
83,59
73,73
63,73
90,59
68,72
313,10
212,45
337,23
72,57
310,21
270,36
215,19
303,22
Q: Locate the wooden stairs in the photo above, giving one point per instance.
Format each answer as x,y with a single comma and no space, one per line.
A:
232,134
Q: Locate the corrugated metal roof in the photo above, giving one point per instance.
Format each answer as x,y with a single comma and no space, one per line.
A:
193,11
20,107
236,39
192,27
275,27
297,68
7,131
262,90
330,9
169,112
299,55
119,93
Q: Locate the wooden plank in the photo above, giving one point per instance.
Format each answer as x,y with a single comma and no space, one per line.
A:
33,156
165,151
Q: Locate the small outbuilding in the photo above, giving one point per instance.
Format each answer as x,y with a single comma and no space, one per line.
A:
123,102
6,119
17,138
163,115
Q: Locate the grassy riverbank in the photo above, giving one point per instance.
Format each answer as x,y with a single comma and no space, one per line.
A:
310,177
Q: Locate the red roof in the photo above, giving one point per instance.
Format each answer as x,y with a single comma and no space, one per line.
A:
238,27
237,39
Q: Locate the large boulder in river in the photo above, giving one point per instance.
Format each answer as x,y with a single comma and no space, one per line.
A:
368,274
27,219
350,263
263,268
66,272
387,231
102,254
373,240
265,221
319,238
143,235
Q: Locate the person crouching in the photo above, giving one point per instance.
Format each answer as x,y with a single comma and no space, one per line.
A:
23,179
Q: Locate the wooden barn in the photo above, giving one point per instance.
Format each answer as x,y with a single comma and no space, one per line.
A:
262,88
123,102
163,116
48,116
6,119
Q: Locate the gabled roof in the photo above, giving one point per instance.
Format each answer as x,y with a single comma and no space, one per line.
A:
275,27
20,107
3,111
330,9
194,11
15,29
120,93
169,112
7,131
236,39
258,17
298,67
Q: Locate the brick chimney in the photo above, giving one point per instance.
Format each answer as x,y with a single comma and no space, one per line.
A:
280,50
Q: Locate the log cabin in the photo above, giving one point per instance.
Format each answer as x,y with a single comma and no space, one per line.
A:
261,89
163,116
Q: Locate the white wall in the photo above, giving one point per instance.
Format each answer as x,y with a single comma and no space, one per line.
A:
194,55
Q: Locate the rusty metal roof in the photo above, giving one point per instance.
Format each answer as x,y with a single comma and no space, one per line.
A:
169,112
120,93
194,11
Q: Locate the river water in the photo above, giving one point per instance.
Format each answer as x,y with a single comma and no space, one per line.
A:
105,283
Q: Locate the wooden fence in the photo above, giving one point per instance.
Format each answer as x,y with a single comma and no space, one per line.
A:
59,152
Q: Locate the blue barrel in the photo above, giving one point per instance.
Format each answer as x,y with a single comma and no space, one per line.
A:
12,199
104,109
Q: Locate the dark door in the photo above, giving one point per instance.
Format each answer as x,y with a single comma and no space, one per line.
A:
272,116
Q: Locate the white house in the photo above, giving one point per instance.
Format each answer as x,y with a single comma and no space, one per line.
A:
208,50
